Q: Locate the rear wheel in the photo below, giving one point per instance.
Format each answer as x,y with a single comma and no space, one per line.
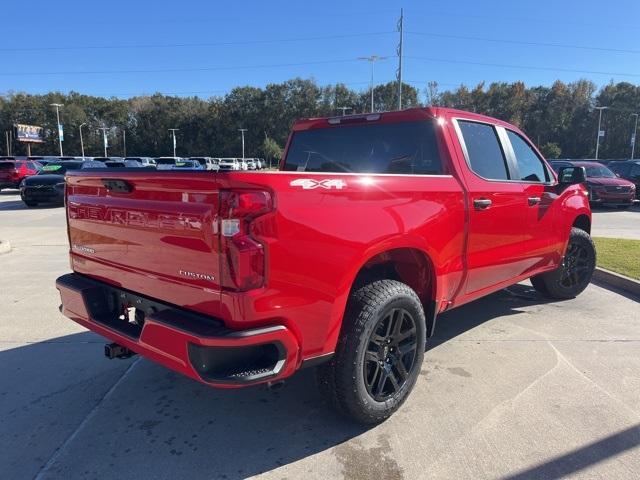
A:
379,354
574,273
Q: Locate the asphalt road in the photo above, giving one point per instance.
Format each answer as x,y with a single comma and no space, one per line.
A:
512,387
615,223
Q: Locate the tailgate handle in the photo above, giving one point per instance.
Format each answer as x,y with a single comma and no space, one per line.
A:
115,185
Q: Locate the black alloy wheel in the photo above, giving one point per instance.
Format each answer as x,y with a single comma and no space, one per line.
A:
391,354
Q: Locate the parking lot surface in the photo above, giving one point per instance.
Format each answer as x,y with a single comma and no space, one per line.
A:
614,223
513,386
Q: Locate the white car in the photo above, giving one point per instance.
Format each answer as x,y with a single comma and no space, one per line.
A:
207,163
166,163
229,164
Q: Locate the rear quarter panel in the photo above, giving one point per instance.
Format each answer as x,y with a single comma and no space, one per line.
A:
319,238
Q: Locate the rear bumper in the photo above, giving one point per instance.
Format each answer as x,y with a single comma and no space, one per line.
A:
197,346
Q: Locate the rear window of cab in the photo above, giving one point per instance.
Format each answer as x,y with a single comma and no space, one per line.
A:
392,148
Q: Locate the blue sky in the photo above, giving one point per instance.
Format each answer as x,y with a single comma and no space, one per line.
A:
444,41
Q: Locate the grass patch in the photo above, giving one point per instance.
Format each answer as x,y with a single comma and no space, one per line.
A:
619,255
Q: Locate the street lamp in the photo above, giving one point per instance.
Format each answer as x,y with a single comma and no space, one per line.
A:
81,141
633,135
372,59
600,132
104,139
242,130
173,132
60,134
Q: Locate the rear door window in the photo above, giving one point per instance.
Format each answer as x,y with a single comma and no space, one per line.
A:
530,166
7,165
484,152
394,148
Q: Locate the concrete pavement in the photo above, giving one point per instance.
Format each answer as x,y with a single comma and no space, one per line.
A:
513,386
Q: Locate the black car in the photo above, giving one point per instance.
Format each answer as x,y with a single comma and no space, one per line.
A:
629,170
48,185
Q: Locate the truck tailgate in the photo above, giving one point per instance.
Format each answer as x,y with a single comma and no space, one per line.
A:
150,233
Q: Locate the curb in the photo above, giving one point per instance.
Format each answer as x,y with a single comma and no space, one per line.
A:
5,246
618,281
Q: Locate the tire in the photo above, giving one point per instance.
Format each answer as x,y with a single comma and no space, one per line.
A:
574,273
373,371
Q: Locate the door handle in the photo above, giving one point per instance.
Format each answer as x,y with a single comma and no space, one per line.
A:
481,203
533,201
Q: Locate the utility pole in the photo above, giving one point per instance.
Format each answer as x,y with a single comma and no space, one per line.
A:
344,110
242,130
372,59
104,138
124,142
6,138
399,71
633,135
600,132
173,132
60,134
81,141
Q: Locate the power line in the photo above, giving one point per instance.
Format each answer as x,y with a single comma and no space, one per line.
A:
190,45
523,67
521,42
175,70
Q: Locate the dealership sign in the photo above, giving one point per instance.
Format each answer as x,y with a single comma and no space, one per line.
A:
29,133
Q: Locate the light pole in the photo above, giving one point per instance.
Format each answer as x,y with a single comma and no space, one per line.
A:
633,135
242,130
173,132
344,110
58,105
124,142
81,141
372,60
599,131
104,138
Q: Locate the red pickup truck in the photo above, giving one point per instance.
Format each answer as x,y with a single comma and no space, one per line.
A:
373,225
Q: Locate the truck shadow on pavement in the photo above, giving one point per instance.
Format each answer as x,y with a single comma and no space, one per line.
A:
71,413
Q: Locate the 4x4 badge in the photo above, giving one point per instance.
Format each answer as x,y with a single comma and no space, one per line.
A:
310,184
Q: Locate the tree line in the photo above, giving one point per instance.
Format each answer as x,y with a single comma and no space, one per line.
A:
560,119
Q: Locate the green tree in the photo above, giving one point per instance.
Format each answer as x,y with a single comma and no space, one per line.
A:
271,150
551,150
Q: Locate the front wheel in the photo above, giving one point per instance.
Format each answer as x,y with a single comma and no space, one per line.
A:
574,273
379,353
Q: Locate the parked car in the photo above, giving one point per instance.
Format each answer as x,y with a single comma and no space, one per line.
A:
251,164
166,163
629,170
13,171
374,225
48,185
187,165
207,163
603,185
229,164
145,161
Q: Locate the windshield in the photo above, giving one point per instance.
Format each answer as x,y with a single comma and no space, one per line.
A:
403,147
600,171
59,168
165,161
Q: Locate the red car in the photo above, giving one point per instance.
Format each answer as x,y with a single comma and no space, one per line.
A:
343,259
13,171
603,185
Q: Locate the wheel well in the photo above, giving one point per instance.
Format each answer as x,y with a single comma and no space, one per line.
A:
583,223
407,265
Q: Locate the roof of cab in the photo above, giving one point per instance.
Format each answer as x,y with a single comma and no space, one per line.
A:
410,114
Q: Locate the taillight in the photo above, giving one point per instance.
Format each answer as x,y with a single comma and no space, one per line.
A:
242,257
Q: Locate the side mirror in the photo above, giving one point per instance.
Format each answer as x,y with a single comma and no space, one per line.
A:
572,175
